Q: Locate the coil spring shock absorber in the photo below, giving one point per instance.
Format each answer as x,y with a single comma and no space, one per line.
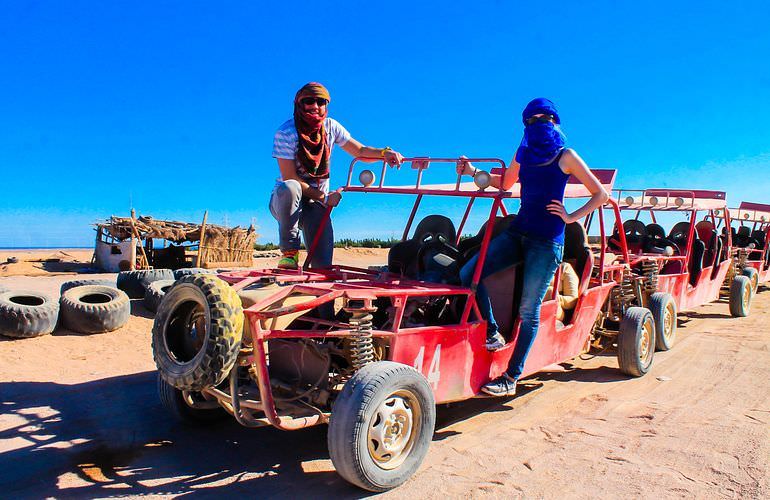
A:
650,271
623,295
361,341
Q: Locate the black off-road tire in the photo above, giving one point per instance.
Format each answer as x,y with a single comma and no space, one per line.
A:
753,275
67,285
25,314
663,309
94,309
155,292
357,408
740,297
134,283
173,401
197,332
636,341
178,273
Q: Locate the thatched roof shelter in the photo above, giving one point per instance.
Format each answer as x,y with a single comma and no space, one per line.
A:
220,246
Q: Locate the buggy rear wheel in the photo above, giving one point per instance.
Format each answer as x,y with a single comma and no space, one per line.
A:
197,332
636,341
740,296
381,426
197,410
663,309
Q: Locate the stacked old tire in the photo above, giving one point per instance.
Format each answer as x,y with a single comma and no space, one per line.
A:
135,283
94,308
26,313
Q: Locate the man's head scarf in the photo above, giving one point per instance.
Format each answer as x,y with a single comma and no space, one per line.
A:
312,150
542,141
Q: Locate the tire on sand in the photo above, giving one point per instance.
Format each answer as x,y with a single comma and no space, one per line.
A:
636,341
381,425
94,309
67,285
740,296
24,314
134,283
175,402
663,309
178,273
197,332
155,292
753,276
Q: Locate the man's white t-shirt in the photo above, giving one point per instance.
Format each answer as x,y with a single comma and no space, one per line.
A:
285,147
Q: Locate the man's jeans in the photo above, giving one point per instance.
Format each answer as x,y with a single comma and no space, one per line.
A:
293,212
540,258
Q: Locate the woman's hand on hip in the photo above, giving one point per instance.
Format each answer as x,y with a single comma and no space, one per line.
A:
556,207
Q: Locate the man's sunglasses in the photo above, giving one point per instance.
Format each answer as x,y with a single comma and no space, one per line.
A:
307,101
539,119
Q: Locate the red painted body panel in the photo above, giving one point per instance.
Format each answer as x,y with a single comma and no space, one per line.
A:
688,297
464,364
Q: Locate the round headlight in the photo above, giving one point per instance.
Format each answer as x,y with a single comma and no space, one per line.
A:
482,179
366,177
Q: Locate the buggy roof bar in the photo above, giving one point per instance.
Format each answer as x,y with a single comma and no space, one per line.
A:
670,199
751,212
574,189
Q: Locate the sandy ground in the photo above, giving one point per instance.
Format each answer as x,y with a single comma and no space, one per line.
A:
79,416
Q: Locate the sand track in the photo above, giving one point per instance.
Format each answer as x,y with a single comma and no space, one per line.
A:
79,416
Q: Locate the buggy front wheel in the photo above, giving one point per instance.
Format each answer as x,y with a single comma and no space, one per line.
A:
381,426
636,341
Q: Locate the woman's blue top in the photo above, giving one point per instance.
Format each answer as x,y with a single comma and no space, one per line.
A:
539,185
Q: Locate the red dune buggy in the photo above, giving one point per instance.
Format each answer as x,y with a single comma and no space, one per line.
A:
372,352
688,266
751,248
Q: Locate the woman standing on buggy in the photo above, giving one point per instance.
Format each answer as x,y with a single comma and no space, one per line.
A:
536,236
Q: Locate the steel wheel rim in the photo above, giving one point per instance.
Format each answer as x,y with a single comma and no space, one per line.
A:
668,322
755,281
393,429
646,342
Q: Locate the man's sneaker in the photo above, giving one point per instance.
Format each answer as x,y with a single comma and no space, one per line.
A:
501,386
289,260
495,342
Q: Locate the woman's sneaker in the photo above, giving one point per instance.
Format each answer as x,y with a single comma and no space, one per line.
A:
290,260
495,342
501,386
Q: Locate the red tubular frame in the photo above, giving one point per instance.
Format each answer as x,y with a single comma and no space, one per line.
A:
345,282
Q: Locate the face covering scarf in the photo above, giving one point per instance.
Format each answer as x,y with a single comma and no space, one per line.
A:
312,150
542,141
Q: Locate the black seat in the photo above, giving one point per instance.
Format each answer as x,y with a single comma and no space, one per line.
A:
742,237
432,231
696,260
655,231
438,225
720,257
759,238
470,246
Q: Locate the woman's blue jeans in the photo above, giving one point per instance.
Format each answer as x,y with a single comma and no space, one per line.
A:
540,258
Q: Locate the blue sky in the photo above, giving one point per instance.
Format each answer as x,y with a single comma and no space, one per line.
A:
171,107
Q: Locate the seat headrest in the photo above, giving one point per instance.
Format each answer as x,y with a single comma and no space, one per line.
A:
744,231
705,230
656,231
679,231
436,224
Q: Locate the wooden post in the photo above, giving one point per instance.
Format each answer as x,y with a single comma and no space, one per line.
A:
146,262
203,236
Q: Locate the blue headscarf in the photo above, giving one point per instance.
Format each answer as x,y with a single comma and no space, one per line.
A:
542,141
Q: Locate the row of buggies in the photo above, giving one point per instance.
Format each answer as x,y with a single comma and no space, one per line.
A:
371,352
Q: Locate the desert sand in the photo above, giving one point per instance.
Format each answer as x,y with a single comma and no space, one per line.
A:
80,417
